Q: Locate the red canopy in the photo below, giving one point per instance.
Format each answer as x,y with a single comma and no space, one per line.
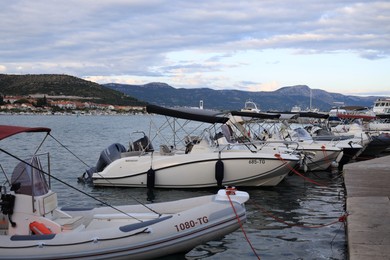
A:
8,130
354,116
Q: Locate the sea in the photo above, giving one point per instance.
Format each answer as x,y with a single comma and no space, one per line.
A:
297,219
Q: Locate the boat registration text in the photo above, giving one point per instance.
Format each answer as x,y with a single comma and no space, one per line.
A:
256,161
191,223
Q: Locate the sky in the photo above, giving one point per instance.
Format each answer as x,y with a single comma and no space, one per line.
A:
340,46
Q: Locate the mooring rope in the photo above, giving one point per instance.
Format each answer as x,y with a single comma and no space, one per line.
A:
228,192
323,148
296,172
66,148
70,186
112,184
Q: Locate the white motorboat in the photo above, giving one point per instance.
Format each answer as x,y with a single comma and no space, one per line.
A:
250,106
32,226
382,106
205,160
318,155
350,146
374,141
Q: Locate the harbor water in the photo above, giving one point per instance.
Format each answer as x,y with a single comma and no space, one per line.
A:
298,219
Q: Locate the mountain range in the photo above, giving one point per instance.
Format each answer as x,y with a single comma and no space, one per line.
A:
282,99
163,94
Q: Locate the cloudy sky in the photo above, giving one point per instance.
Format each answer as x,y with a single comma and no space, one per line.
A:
339,46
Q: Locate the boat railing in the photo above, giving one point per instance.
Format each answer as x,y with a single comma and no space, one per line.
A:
292,145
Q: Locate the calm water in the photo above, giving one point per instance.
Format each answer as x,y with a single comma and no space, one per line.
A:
294,201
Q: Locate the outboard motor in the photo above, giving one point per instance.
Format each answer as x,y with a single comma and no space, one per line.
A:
107,156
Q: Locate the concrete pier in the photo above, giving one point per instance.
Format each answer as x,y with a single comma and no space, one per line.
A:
368,225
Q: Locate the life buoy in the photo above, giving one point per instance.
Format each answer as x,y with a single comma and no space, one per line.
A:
39,229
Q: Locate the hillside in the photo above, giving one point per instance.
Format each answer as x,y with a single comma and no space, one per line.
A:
58,85
282,99
163,94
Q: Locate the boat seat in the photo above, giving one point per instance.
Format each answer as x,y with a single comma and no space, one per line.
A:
227,132
68,224
131,153
165,150
47,203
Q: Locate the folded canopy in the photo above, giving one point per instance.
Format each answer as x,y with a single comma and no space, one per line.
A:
200,115
8,130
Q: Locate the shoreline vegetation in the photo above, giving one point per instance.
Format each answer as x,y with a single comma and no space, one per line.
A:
69,105
62,94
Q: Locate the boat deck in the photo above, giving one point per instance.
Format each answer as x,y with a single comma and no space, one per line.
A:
367,188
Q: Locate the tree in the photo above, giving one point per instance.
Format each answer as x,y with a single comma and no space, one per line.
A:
41,102
22,101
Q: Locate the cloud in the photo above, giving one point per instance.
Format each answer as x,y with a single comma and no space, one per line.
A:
255,86
372,54
115,38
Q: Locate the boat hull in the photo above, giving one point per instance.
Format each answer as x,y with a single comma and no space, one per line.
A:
197,170
181,226
319,159
348,154
377,145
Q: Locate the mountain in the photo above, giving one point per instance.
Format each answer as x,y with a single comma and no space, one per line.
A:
163,94
282,99
63,85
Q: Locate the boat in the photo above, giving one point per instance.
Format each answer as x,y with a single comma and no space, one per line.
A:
296,109
208,158
369,130
350,146
382,107
250,106
33,226
318,156
379,143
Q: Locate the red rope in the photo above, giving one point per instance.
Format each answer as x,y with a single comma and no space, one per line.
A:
342,218
242,228
325,154
297,173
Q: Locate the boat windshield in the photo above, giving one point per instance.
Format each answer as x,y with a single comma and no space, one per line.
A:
302,134
30,177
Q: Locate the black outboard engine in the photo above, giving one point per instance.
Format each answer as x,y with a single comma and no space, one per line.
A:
107,156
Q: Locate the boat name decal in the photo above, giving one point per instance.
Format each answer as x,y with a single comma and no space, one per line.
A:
191,223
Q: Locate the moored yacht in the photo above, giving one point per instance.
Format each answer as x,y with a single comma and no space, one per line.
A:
190,159
382,106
